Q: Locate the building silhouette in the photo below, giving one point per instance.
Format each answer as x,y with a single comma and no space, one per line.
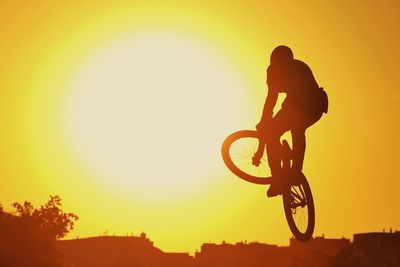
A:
117,251
328,246
378,249
239,254
318,252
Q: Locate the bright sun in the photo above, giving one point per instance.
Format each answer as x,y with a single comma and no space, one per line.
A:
146,115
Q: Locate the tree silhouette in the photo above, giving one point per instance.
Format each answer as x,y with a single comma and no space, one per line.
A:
28,235
49,217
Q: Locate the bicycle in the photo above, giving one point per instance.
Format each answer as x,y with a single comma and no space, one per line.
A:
238,150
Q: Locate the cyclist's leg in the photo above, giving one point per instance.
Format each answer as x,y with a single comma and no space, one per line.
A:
277,127
299,147
299,138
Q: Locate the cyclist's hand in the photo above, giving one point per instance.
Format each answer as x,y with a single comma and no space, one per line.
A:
256,159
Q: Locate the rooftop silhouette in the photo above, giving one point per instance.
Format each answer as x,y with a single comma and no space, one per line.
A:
119,251
319,251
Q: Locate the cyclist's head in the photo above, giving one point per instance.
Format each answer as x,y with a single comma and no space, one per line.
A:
281,54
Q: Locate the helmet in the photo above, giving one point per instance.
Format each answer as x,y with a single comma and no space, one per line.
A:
281,54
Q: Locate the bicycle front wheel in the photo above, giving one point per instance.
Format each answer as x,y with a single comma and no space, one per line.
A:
238,150
299,209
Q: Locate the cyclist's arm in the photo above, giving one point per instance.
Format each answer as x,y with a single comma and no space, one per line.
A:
272,96
269,105
268,111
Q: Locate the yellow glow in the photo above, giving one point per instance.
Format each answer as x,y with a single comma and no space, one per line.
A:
146,115
75,88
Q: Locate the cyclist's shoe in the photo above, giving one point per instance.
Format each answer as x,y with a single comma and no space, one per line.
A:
275,189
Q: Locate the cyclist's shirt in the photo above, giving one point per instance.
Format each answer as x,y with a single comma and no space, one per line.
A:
297,81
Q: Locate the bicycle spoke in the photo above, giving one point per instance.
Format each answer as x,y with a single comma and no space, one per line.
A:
297,192
301,218
299,208
302,193
296,196
241,152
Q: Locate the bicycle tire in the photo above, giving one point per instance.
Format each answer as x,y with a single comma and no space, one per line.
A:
294,212
263,177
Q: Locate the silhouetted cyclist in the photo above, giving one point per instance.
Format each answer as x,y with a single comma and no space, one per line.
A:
303,106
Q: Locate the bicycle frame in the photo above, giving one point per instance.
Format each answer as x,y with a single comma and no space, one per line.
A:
296,193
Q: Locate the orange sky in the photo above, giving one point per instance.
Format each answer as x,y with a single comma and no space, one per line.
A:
134,60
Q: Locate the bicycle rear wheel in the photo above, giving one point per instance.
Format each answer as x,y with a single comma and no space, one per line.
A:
299,209
238,150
